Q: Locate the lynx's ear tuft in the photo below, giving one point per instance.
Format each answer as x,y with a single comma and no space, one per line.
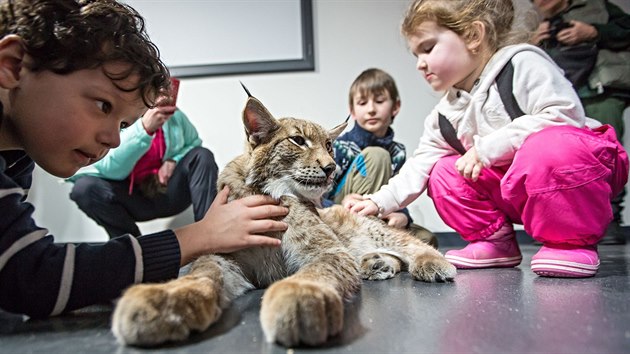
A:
336,131
246,90
259,123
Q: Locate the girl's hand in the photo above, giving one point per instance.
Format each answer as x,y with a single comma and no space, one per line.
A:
364,208
469,165
350,200
231,226
166,171
155,118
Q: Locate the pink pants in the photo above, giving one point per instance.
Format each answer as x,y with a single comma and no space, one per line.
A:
559,186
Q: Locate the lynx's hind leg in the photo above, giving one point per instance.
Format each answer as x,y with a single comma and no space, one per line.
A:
151,314
423,262
379,265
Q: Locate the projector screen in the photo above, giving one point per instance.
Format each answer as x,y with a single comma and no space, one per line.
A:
223,37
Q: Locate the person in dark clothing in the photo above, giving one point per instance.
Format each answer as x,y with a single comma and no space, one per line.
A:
582,36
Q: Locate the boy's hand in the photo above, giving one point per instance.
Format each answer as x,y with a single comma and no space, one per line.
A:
231,226
469,165
397,220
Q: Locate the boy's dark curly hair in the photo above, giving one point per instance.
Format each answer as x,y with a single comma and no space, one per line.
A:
64,36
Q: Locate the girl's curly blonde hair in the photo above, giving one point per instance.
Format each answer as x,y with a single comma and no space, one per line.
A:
458,16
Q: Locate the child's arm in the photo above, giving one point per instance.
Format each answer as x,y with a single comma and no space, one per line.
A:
187,133
40,278
228,227
411,181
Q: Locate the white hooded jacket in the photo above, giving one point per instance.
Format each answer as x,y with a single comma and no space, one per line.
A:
480,119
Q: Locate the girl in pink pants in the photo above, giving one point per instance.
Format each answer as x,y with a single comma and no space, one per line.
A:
508,143
558,186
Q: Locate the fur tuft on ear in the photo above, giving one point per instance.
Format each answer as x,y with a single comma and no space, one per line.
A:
336,131
259,123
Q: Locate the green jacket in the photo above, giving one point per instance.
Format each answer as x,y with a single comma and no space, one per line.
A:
180,137
611,70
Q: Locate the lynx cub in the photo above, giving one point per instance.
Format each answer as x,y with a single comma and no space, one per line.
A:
324,254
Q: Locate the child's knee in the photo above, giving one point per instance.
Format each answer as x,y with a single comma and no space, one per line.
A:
202,154
374,162
445,169
443,176
376,153
87,190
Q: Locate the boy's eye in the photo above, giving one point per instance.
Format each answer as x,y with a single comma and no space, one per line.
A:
104,106
298,140
380,99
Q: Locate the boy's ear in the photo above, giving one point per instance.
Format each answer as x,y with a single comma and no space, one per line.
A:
11,59
396,109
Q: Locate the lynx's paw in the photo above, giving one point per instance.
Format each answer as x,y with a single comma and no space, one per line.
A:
150,314
432,268
301,311
379,266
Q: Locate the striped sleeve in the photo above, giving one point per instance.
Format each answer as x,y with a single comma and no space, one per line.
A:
40,278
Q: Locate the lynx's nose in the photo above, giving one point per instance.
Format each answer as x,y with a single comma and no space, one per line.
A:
329,169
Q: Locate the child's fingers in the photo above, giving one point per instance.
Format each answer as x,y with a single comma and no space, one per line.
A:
257,240
264,212
476,172
222,196
257,200
265,225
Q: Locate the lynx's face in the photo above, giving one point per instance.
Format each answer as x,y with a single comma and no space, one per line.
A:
288,156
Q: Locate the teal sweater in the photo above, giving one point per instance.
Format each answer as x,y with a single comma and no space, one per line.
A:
180,137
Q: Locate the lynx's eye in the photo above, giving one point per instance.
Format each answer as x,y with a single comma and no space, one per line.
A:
328,146
298,140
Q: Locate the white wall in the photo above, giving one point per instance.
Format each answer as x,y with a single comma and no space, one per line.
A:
350,36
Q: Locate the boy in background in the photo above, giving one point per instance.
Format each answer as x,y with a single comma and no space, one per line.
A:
367,156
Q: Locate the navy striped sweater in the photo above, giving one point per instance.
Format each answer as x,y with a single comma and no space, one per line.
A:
40,278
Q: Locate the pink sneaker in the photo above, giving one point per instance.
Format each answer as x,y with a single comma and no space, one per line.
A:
566,261
486,254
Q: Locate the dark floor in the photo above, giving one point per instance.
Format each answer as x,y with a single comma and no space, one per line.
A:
483,311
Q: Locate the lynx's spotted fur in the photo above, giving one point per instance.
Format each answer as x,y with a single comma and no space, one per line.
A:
324,255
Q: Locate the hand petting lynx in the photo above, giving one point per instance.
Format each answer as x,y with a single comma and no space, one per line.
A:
324,254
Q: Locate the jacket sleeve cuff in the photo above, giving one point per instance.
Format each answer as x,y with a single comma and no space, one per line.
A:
385,205
160,255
